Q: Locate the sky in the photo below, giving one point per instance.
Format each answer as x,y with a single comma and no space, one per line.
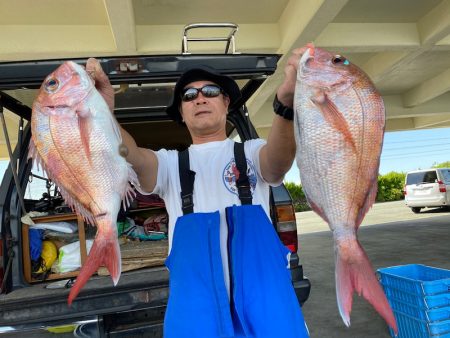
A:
404,151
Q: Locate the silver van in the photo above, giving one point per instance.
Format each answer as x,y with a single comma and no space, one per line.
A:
427,188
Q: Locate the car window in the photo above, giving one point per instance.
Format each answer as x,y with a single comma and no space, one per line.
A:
430,177
422,177
3,165
446,175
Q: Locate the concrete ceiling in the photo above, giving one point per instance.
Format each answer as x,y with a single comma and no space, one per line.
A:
404,45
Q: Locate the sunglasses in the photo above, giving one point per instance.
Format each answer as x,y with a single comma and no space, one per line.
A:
209,90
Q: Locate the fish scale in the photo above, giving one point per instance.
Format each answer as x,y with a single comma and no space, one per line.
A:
63,131
339,126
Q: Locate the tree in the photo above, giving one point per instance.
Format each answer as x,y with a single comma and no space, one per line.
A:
442,165
390,187
298,196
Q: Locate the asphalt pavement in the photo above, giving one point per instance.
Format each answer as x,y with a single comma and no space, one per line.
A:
380,213
391,235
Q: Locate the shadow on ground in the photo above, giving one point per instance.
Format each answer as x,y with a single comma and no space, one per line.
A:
440,210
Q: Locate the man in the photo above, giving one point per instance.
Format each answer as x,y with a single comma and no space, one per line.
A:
228,269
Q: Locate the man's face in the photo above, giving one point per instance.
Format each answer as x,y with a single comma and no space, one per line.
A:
203,114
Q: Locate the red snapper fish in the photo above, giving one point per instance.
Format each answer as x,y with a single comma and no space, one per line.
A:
339,127
76,140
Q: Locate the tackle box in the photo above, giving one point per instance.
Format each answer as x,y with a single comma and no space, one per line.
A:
420,299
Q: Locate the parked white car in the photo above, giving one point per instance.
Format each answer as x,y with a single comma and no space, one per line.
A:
427,188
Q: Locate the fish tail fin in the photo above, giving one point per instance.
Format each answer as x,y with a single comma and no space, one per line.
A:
355,273
105,251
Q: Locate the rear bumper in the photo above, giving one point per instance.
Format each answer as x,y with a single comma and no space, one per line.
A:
100,307
136,305
302,290
145,322
427,202
302,285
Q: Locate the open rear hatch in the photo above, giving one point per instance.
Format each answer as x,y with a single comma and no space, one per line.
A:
144,86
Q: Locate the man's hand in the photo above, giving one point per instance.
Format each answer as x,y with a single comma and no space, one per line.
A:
101,80
286,91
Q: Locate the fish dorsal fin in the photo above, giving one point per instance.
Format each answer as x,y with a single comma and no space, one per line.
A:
333,116
129,194
115,126
34,155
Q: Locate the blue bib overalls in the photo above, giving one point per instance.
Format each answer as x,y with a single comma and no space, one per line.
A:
262,300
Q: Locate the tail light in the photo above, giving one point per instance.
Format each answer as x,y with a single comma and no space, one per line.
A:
404,190
286,225
442,187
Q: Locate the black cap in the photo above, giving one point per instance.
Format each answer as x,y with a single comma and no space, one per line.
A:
202,73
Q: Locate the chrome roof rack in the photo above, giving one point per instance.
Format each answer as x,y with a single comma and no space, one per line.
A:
229,39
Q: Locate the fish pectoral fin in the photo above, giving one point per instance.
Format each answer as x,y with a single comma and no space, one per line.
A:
85,127
333,116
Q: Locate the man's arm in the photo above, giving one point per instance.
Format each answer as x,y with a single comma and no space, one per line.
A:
144,161
277,156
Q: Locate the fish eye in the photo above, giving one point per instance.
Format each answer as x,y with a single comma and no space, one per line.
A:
338,59
51,85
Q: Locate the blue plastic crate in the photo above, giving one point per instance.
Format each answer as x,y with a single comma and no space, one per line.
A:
425,302
430,315
409,327
416,279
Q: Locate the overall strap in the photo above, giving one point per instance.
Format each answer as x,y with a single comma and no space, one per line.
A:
242,183
187,178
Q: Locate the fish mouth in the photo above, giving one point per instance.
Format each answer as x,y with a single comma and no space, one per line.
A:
308,54
52,109
305,59
48,108
327,81
59,106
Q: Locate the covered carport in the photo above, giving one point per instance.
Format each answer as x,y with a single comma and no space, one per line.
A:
403,45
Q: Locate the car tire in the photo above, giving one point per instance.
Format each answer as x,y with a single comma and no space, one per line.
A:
416,210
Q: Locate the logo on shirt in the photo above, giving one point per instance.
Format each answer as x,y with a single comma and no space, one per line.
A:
231,174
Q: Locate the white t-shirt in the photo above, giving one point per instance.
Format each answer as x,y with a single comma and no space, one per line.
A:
214,186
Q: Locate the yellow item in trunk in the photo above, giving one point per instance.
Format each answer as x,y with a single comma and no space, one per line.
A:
61,329
48,255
